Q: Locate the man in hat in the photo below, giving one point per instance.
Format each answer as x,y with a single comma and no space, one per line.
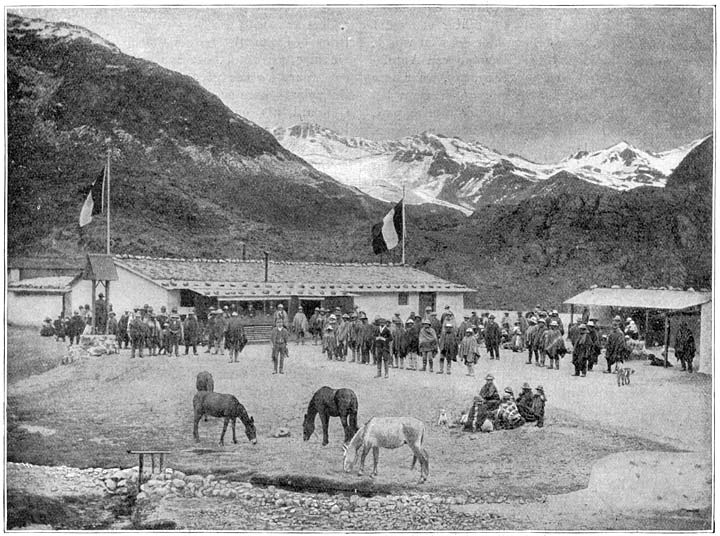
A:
553,345
489,393
505,322
175,331
365,338
523,323
329,345
555,316
463,326
162,317
122,337
508,417
595,338
530,338
435,323
448,345
300,326
447,313
467,350
538,348
475,320
352,336
59,328
219,326
685,346
343,336
582,351
615,348
100,314
75,327
538,406
428,310
631,329
280,314
112,325
191,330
235,337
396,329
382,344
412,332
136,330
314,325
492,337
279,338
428,344
524,402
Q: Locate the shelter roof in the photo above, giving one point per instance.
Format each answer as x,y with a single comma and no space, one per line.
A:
43,284
641,298
234,277
46,263
100,268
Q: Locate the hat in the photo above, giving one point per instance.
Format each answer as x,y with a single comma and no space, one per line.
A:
489,377
469,330
428,308
629,319
466,315
166,325
76,312
448,325
526,386
317,308
101,295
234,313
509,390
225,307
553,323
447,307
112,313
582,326
433,313
532,320
591,322
554,312
279,306
541,320
491,315
409,321
617,319
338,308
174,310
333,317
426,321
345,315
353,315
540,388
362,316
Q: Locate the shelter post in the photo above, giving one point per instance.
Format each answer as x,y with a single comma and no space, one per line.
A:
92,311
647,326
107,306
667,338
572,312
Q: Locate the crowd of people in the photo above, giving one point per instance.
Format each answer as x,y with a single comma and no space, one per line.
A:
418,342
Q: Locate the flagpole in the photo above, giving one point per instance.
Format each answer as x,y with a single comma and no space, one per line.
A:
107,173
403,223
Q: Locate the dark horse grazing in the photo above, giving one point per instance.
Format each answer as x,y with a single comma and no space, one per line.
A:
329,402
226,406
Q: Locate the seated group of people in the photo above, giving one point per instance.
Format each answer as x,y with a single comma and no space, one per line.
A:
492,411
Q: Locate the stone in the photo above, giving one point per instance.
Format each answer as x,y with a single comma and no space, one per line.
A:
178,474
335,509
110,484
198,480
178,483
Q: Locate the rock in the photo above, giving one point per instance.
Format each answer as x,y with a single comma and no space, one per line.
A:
178,483
198,480
335,509
178,474
110,484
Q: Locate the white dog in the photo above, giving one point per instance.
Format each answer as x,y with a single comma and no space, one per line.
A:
442,419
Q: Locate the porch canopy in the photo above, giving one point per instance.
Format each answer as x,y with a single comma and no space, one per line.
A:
672,300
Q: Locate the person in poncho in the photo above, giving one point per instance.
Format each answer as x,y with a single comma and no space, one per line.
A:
554,345
615,349
448,347
492,336
508,417
530,338
467,351
427,343
382,344
582,352
524,401
300,326
484,404
685,346
412,335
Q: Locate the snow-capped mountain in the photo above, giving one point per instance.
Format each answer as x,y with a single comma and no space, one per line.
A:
464,175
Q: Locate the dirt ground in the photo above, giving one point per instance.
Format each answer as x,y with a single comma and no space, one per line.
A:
101,407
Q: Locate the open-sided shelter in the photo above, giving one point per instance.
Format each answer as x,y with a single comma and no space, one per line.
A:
671,302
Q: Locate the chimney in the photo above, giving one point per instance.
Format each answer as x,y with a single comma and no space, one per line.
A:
243,251
266,265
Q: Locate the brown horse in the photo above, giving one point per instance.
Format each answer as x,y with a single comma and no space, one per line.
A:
329,402
204,381
225,406
389,433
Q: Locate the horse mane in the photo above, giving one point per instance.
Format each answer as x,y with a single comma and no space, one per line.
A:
359,437
242,412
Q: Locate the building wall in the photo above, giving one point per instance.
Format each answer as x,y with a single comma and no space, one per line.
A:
128,292
31,308
705,351
385,304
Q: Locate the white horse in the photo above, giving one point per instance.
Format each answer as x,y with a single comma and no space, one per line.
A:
389,433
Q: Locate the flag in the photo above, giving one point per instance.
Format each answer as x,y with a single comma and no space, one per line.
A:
387,234
94,201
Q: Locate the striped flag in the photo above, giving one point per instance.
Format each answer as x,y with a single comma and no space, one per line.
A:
387,234
94,201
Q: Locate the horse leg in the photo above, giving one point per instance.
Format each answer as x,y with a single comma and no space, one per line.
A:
376,453
325,419
364,454
233,428
344,421
222,436
198,416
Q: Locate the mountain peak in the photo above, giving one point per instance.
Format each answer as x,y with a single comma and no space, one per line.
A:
19,26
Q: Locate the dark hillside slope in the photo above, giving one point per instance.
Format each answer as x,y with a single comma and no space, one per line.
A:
187,173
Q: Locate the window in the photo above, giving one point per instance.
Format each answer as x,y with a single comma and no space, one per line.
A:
187,298
403,298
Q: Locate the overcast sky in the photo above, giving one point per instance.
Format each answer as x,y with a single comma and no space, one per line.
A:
541,82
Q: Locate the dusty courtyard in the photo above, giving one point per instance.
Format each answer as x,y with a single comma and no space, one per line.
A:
635,457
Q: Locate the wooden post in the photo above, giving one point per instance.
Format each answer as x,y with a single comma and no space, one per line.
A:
667,338
647,326
140,470
572,312
92,307
107,306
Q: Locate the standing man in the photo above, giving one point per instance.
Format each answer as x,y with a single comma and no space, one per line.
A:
123,330
352,339
136,330
235,337
582,351
383,340
76,327
615,347
281,315
492,338
219,325
175,331
59,327
300,325
211,330
685,346
100,314
279,339
530,338
365,338
191,329
448,346
523,323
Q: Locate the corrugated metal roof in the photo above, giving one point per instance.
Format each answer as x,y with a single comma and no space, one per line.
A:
642,298
48,284
290,278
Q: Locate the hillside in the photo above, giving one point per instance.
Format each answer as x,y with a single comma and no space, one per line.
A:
466,175
187,172
191,178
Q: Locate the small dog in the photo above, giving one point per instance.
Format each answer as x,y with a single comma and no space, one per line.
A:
442,419
623,376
